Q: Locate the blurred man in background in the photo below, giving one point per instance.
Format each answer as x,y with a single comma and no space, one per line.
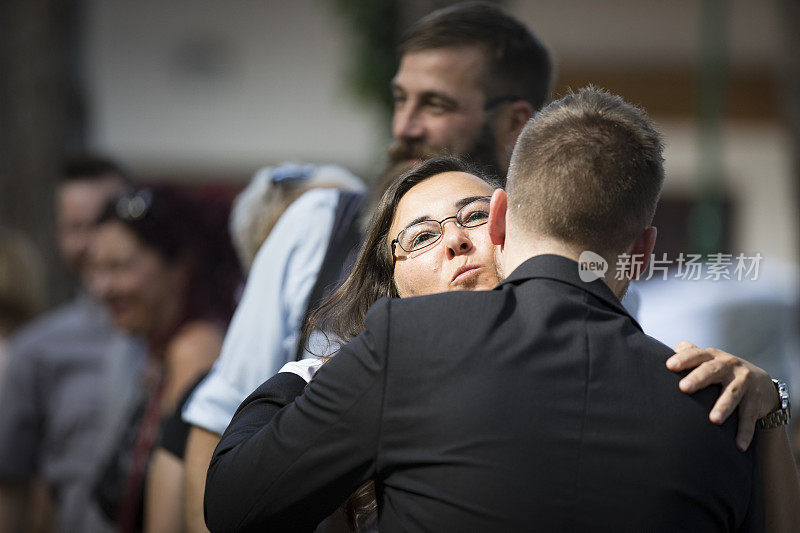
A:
470,77
52,419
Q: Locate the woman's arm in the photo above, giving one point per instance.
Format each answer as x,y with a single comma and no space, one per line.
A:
781,483
277,467
190,354
164,493
750,388
199,447
744,385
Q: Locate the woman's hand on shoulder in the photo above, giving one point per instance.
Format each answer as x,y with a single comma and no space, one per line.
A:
743,384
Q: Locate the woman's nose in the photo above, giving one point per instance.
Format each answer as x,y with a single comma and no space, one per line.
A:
456,240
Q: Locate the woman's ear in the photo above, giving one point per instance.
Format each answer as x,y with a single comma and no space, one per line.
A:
497,217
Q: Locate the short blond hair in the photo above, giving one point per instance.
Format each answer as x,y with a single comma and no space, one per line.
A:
587,170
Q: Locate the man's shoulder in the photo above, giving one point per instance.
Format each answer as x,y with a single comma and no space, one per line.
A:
76,321
539,292
433,308
54,322
446,300
311,206
434,319
305,224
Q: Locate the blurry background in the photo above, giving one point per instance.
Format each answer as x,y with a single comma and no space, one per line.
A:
206,91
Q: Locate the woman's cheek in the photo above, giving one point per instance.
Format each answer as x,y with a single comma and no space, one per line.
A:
430,277
414,278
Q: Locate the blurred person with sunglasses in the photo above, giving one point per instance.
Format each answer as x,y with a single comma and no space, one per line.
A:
162,264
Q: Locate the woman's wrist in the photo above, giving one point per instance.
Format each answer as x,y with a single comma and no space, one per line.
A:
782,413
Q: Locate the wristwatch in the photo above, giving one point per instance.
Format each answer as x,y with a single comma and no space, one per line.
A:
780,416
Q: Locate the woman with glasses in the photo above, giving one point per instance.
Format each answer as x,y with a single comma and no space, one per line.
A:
444,199
164,267
427,235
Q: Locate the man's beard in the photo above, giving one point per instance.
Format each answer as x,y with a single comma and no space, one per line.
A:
404,154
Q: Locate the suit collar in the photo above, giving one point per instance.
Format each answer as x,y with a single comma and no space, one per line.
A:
565,270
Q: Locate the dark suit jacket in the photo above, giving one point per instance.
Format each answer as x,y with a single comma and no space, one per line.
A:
538,406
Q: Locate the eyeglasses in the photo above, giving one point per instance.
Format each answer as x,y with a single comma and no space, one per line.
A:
428,232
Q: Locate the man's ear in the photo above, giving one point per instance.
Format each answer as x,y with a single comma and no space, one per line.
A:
642,247
511,121
497,217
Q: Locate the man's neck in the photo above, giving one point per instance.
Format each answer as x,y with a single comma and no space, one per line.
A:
518,250
514,256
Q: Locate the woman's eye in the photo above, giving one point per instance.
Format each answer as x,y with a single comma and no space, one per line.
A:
476,216
422,238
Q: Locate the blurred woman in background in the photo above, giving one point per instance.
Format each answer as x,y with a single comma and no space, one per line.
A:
163,266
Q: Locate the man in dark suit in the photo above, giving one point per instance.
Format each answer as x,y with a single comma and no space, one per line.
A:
540,405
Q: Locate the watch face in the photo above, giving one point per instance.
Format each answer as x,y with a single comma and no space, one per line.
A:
783,394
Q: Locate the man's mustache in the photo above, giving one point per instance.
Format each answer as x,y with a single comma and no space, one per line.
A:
401,150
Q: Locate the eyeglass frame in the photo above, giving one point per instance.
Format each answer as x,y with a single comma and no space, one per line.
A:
396,240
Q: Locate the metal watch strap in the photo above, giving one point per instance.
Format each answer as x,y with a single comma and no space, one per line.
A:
782,415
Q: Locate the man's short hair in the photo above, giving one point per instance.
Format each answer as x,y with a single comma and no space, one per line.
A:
519,65
587,170
88,167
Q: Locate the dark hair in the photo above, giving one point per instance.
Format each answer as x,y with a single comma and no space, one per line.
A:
181,228
587,170
371,278
91,168
519,65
